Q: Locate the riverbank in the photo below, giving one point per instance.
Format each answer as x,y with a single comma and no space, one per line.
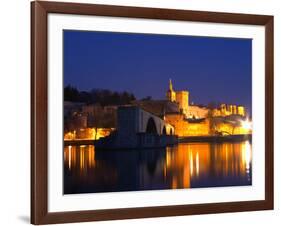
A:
212,139
216,139
78,142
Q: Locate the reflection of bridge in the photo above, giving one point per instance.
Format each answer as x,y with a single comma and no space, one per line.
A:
132,119
137,128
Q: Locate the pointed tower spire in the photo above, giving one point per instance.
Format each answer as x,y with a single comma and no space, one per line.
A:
170,85
171,94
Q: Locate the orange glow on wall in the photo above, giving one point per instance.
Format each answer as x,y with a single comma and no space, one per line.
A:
184,129
88,134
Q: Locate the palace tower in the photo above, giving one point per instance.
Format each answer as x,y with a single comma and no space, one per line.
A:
180,97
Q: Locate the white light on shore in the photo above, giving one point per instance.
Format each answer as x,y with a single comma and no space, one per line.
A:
246,124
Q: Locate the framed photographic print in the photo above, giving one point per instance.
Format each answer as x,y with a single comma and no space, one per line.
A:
145,112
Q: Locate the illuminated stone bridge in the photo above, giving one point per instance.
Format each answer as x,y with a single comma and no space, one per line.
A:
137,128
133,119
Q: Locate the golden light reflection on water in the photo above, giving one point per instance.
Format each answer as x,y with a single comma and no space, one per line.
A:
85,155
186,165
186,162
81,165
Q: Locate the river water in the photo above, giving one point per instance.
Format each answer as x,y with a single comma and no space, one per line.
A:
187,165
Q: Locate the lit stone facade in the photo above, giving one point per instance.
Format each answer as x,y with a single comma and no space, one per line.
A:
180,97
184,128
182,100
173,116
197,112
193,111
241,110
229,109
193,120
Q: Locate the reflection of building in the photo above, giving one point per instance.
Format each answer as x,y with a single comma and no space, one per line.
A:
187,165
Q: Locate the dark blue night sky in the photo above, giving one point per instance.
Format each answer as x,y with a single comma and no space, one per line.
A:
211,69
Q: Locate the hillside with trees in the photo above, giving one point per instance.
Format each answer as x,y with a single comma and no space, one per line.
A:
103,97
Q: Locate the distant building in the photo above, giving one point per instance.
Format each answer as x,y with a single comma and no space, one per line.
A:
194,111
197,112
180,97
194,120
229,109
241,110
171,94
71,107
158,107
83,121
172,116
184,127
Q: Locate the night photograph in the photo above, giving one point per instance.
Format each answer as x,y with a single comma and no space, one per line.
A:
153,112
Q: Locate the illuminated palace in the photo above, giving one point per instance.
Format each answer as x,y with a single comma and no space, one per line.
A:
174,113
192,120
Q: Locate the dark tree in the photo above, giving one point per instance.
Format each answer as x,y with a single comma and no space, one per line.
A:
98,96
71,94
85,97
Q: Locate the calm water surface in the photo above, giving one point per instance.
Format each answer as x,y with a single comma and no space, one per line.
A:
191,165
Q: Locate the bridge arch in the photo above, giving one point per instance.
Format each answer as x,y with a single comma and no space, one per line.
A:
164,130
171,131
151,126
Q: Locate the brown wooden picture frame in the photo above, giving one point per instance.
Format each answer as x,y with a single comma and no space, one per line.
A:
39,109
